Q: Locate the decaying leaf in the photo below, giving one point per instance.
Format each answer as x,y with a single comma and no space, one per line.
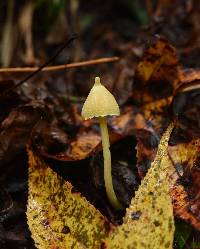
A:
185,188
149,219
53,141
161,68
157,111
17,127
50,141
130,119
57,216
186,108
158,72
185,176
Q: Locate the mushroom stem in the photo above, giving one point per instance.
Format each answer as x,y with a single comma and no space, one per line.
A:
107,164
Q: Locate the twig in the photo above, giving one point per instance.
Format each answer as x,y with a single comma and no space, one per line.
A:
60,67
65,45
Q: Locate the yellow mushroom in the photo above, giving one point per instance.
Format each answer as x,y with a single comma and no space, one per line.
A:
101,103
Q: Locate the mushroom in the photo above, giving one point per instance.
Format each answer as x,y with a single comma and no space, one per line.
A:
101,103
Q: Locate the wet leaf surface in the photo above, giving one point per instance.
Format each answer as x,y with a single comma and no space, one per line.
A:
58,216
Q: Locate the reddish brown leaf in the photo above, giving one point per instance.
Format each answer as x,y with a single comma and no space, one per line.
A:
16,129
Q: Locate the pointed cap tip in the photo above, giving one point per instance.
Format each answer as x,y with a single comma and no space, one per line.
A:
100,102
97,80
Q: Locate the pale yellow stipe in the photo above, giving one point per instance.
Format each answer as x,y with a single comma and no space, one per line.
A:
107,165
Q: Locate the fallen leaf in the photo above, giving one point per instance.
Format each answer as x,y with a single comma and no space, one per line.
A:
59,217
189,74
149,220
126,124
157,112
183,106
185,176
17,127
186,108
87,139
81,146
157,74
185,189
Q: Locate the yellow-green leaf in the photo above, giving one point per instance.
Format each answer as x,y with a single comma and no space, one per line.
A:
149,222
57,217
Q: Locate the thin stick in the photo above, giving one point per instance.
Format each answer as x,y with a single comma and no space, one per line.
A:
60,67
65,45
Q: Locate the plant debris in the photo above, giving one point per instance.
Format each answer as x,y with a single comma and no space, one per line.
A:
153,52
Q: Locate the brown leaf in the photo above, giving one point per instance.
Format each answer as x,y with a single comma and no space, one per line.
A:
189,75
157,73
63,148
157,112
185,189
130,119
52,141
186,108
16,128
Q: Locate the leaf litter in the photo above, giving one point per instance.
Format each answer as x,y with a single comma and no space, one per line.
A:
154,111
61,218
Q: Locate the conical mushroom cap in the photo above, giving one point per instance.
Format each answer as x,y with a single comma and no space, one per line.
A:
100,102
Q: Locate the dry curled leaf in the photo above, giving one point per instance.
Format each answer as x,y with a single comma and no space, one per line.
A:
59,217
149,220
